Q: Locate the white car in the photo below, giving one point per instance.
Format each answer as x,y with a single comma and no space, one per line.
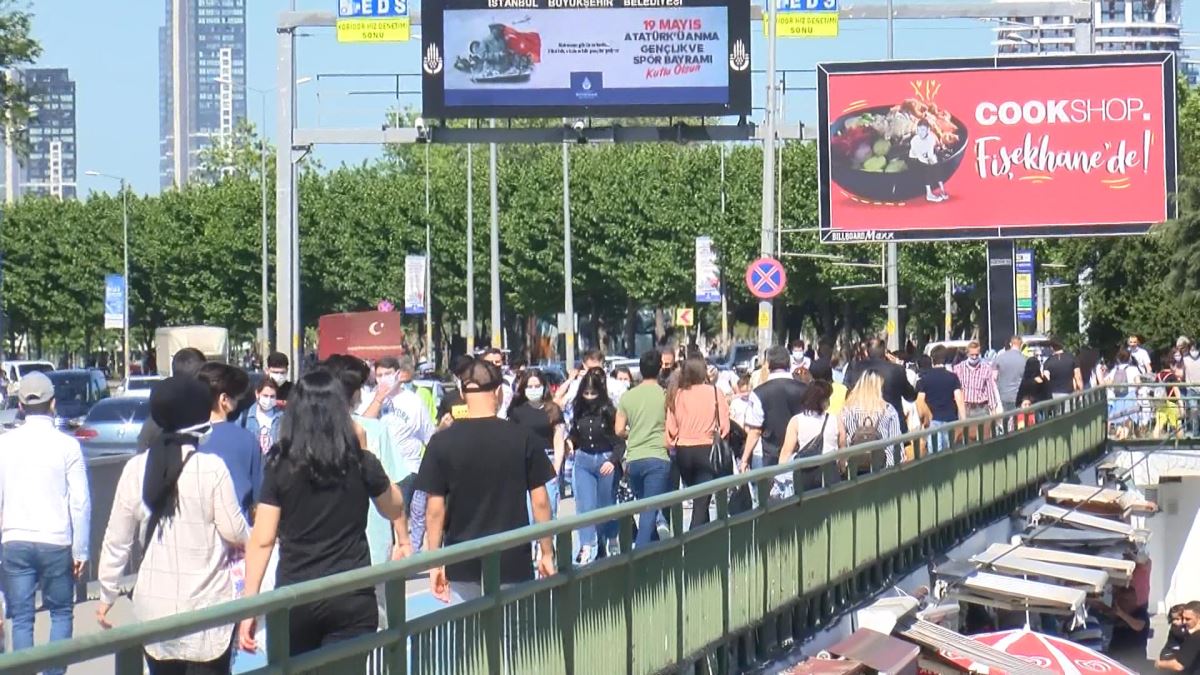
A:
140,386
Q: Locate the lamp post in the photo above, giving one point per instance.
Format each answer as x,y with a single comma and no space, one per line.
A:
265,340
125,255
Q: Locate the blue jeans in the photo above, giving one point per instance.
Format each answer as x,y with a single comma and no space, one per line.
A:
939,441
648,478
27,566
594,491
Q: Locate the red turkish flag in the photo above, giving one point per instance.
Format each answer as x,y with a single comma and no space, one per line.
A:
525,44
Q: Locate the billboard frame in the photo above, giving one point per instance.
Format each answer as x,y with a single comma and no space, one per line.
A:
433,78
824,180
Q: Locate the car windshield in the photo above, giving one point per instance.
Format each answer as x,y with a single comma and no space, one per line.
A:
119,410
141,384
69,387
27,368
744,353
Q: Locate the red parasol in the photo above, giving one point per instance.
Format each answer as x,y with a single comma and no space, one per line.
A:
1052,653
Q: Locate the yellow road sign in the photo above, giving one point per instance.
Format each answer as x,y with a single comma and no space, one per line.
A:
393,29
684,317
804,24
764,320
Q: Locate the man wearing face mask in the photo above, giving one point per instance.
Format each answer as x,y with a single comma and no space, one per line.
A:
277,370
236,446
405,415
978,379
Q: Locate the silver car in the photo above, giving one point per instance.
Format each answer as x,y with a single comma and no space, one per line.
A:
112,426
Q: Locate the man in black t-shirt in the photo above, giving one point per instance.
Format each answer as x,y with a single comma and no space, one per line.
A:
941,390
477,473
1187,659
1061,371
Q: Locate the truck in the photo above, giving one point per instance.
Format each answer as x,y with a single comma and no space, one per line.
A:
212,341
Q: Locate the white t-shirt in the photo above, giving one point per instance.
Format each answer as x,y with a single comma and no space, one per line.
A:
808,426
1141,359
922,149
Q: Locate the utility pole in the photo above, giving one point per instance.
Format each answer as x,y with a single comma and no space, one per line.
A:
430,353
470,251
893,254
497,339
949,307
721,263
568,284
766,313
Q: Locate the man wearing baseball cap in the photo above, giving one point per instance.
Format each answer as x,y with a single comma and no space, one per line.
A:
45,514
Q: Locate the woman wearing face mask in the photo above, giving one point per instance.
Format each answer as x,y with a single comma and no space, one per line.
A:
623,375
262,418
186,503
533,406
598,453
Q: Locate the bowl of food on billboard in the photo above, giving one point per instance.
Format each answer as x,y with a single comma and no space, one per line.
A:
896,152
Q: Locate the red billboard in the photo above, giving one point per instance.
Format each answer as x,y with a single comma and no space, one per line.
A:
1046,146
368,335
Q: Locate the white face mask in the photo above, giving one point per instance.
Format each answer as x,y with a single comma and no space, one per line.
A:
388,380
267,403
534,393
279,378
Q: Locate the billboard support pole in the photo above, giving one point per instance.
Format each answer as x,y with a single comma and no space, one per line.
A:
766,315
568,286
721,268
494,225
430,352
893,253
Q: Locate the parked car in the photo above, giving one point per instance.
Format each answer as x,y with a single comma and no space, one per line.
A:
75,392
741,358
112,426
140,385
13,372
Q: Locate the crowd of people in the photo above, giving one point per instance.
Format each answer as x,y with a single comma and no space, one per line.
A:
353,465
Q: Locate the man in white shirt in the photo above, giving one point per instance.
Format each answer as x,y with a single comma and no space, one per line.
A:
1139,355
496,358
45,515
405,416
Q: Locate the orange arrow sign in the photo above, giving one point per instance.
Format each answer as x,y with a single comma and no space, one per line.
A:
684,317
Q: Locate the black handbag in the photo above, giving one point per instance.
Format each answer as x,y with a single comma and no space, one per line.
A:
720,456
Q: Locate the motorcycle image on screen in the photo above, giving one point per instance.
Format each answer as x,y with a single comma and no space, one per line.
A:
506,55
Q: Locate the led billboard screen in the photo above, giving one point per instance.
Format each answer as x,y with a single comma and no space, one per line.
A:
604,58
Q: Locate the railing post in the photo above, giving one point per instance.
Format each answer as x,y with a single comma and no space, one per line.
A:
493,617
279,640
567,602
130,661
396,653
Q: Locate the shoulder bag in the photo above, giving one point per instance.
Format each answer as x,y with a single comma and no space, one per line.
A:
720,456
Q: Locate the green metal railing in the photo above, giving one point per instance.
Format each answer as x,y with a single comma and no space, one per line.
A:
722,594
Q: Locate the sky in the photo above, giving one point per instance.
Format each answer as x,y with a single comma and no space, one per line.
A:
111,50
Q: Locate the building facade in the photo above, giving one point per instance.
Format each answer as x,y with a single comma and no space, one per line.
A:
49,169
1118,25
202,70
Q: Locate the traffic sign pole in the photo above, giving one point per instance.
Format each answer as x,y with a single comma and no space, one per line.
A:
766,310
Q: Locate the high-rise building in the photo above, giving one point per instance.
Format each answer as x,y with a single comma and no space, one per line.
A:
1118,25
49,167
202,67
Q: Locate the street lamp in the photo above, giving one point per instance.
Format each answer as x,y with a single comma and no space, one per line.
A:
125,247
265,341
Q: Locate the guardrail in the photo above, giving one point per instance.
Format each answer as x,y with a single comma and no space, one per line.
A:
723,593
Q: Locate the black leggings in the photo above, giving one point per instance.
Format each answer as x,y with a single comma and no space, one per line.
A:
694,469
325,622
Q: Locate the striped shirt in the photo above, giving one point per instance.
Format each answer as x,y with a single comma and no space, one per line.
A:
885,419
978,383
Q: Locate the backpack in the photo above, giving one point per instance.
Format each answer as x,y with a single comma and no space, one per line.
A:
867,432
1121,377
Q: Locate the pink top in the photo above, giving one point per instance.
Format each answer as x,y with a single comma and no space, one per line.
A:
691,420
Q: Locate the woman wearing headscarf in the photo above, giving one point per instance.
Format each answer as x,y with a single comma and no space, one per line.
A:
182,506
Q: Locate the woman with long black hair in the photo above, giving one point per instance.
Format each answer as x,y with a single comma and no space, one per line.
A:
191,517
318,485
598,454
532,406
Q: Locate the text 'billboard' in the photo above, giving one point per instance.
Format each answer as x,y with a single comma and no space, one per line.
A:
616,58
996,148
